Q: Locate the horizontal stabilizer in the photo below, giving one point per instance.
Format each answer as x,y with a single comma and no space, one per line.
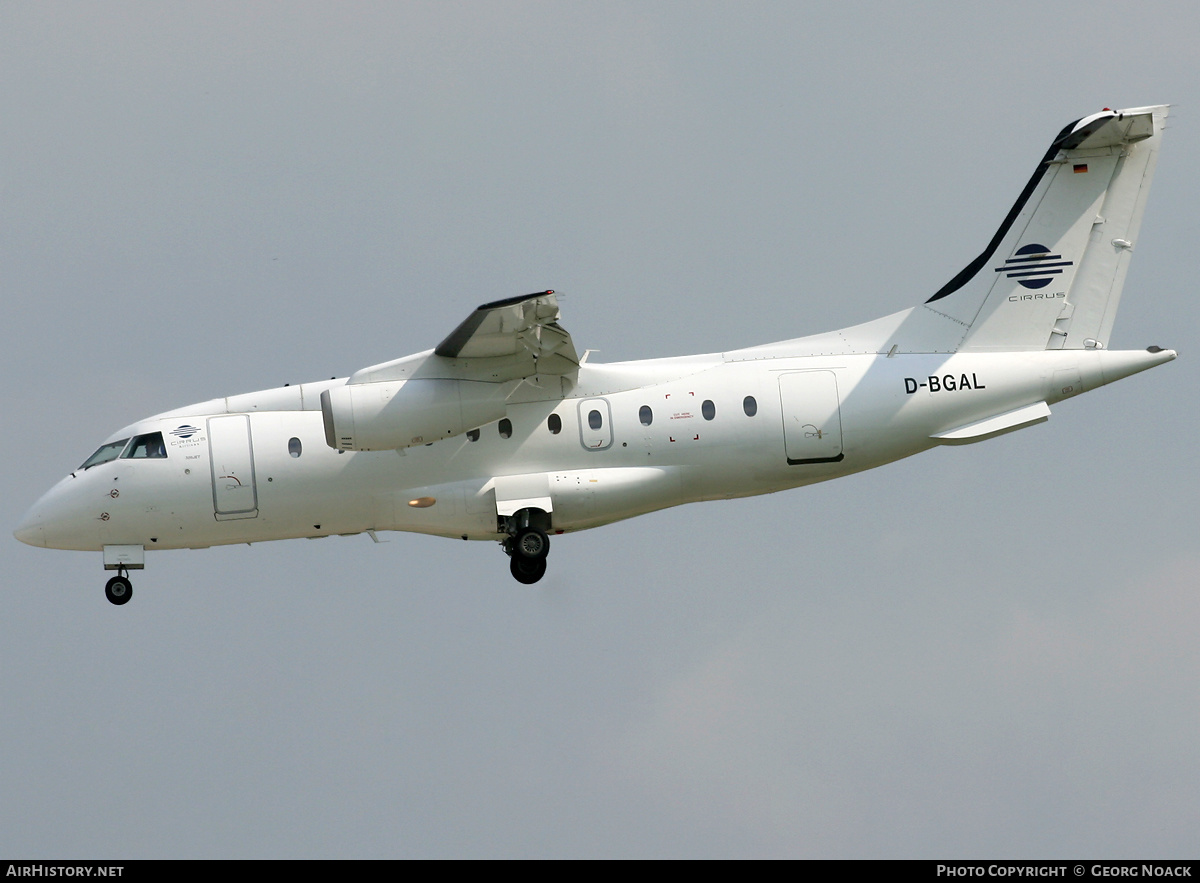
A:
981,430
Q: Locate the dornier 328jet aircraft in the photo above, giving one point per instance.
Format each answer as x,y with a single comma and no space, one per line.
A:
502,432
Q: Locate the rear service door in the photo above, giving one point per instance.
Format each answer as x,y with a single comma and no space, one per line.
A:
232,457
812,419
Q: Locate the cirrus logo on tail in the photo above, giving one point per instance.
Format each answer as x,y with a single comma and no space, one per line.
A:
1033,266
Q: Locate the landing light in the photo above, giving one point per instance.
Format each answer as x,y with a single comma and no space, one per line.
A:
422,502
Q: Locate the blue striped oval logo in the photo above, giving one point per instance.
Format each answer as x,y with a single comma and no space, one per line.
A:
1033,266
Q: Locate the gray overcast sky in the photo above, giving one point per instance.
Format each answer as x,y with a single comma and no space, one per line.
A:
986,651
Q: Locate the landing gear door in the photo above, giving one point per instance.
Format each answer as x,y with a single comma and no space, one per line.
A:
812,419
232,458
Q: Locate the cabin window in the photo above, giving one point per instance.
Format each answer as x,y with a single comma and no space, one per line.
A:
555,424
708,409
595,421
294,447
472,435
645,415
505,428
146,447
107,452
749,406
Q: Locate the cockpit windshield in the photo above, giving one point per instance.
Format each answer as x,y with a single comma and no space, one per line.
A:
148,446
107,452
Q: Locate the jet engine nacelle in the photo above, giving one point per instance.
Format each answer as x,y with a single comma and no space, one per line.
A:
386,415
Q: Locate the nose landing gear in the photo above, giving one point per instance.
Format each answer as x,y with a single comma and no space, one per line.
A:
122,557
119,589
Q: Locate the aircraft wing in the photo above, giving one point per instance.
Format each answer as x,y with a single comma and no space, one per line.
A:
511,339
520,333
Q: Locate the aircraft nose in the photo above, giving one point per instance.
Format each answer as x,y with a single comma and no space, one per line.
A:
62,518
30,531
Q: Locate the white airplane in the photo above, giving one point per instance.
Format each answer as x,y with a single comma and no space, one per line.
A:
502,432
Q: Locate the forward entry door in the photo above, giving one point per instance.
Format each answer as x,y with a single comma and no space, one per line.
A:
231,455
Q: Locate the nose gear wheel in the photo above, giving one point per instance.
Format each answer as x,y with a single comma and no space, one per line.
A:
119,589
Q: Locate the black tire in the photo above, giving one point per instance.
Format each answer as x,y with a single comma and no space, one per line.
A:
119,590
527,570
531,544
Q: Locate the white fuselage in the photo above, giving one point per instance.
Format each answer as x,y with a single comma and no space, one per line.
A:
256,467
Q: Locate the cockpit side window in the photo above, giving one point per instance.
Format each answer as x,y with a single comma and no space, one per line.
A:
107,452
146,447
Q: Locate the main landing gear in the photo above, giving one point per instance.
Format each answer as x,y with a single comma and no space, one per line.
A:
527,545
119,589
527,571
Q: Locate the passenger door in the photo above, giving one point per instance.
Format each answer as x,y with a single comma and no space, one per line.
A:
231,456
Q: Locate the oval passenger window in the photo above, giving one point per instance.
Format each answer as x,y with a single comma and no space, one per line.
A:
646,415
294,447
708,409
749,406
555,424
595,420
505,428
472,435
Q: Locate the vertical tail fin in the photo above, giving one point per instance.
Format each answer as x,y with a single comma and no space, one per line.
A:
1051,277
